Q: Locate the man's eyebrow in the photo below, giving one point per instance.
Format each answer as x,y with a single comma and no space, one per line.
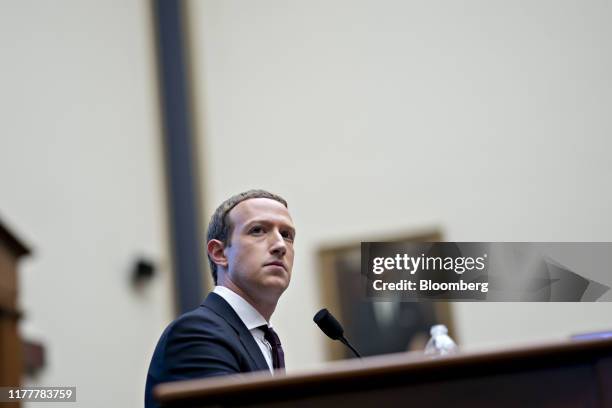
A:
268,222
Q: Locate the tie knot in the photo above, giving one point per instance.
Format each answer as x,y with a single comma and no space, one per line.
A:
270,335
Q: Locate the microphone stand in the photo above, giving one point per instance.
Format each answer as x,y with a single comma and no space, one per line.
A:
346,343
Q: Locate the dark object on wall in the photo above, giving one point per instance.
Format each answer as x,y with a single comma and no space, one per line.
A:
33,357
11,250
143,271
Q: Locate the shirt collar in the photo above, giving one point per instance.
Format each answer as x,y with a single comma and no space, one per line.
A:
247,313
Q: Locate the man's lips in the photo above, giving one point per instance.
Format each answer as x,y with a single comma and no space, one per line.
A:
276,263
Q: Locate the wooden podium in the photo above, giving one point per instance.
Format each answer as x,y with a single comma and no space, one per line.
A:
11,363
562,374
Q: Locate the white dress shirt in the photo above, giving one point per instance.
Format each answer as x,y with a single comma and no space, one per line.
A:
251,319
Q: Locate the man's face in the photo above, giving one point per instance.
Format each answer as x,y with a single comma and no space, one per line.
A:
260,251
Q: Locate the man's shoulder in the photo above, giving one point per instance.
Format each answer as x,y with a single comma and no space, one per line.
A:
197,344
207,317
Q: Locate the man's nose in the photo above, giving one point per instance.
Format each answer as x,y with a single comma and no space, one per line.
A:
279,246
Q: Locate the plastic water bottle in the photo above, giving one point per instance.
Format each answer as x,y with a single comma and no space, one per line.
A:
440,342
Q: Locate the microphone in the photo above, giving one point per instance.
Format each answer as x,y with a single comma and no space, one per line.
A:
330,326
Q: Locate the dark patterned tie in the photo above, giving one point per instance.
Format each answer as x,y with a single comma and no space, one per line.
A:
278,356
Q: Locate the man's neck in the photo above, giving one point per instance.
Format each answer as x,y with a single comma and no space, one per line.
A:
264,308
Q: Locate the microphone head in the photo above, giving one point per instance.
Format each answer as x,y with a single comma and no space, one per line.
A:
328,324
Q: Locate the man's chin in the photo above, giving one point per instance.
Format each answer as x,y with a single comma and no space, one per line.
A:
276,284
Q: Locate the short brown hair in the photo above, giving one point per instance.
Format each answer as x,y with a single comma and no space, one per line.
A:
219,226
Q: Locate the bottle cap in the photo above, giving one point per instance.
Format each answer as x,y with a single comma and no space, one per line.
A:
438,329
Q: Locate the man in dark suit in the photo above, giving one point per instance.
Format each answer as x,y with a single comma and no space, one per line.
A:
250,250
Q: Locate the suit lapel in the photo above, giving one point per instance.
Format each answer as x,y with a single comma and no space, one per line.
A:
218,305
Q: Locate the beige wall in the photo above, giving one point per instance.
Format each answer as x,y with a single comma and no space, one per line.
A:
82,182
489,119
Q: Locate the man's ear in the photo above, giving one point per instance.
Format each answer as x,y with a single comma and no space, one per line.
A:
215,252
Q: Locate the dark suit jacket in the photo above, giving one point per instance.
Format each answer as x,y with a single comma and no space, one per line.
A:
206,342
